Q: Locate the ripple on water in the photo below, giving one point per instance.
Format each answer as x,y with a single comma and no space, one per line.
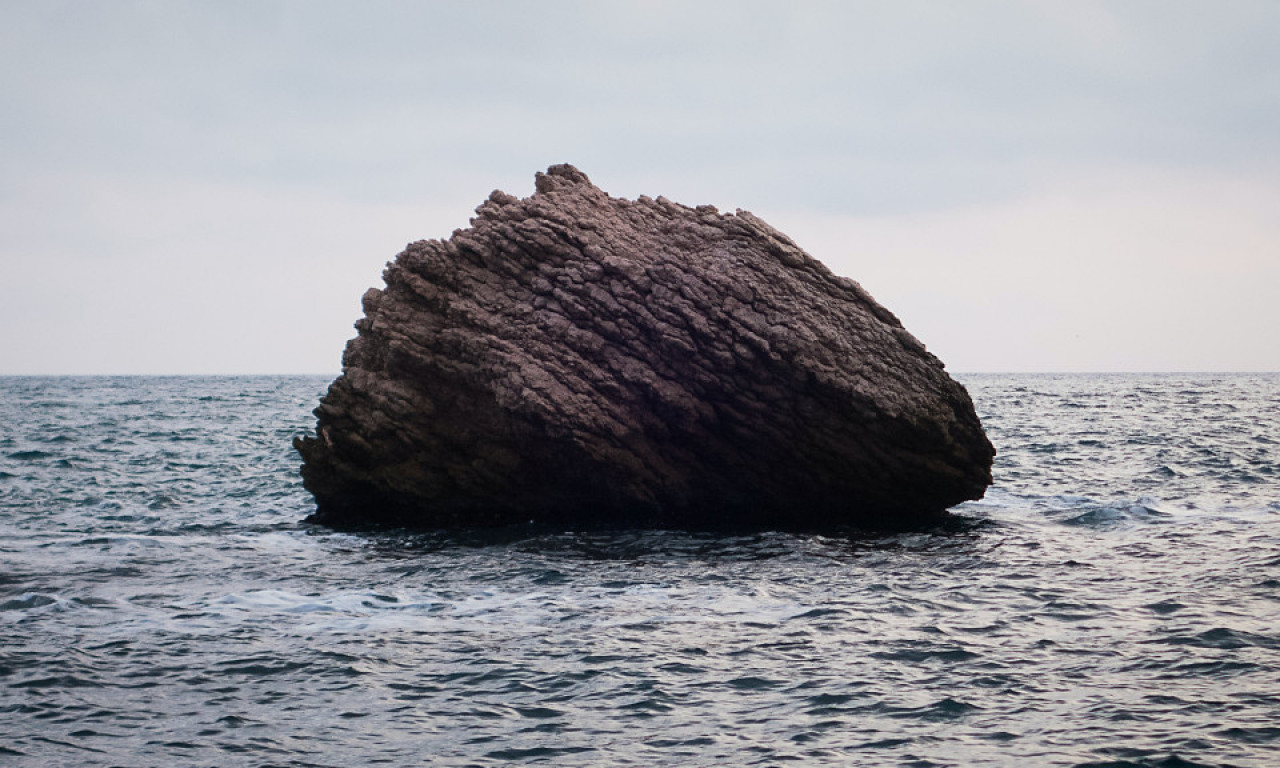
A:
1112,601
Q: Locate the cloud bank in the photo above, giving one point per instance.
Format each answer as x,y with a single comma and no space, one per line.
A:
205,188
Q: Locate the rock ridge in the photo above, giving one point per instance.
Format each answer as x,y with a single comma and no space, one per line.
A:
572,357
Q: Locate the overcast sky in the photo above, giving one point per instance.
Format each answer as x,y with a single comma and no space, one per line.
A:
209,187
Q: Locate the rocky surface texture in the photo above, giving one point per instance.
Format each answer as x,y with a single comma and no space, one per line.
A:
574,357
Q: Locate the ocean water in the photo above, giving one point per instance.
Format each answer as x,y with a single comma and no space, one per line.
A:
1114,601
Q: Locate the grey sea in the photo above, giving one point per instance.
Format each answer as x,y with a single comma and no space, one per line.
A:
1114,601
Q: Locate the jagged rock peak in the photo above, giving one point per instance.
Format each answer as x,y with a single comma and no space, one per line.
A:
559,176
577,358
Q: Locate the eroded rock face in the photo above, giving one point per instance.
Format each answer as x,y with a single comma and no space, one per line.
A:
574,357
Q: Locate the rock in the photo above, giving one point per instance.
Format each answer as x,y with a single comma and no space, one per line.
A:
578,358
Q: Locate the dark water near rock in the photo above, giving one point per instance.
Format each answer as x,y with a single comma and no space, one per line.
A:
1115,601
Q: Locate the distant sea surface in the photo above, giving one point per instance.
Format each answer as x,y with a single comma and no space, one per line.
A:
1114,601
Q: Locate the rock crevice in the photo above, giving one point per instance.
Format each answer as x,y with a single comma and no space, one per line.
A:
574,357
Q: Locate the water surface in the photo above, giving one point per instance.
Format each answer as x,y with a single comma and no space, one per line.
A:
1114,601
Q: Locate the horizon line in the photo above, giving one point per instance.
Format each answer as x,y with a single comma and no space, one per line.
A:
1073,372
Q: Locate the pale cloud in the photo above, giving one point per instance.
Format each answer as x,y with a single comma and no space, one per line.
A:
195,278
193,186
1136,271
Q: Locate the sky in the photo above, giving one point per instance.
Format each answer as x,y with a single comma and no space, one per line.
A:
209,187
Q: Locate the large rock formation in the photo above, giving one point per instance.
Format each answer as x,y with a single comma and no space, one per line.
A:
574,357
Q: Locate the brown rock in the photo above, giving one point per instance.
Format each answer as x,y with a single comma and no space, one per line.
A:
574,357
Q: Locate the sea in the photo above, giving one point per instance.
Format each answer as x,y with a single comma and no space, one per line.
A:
1114,601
